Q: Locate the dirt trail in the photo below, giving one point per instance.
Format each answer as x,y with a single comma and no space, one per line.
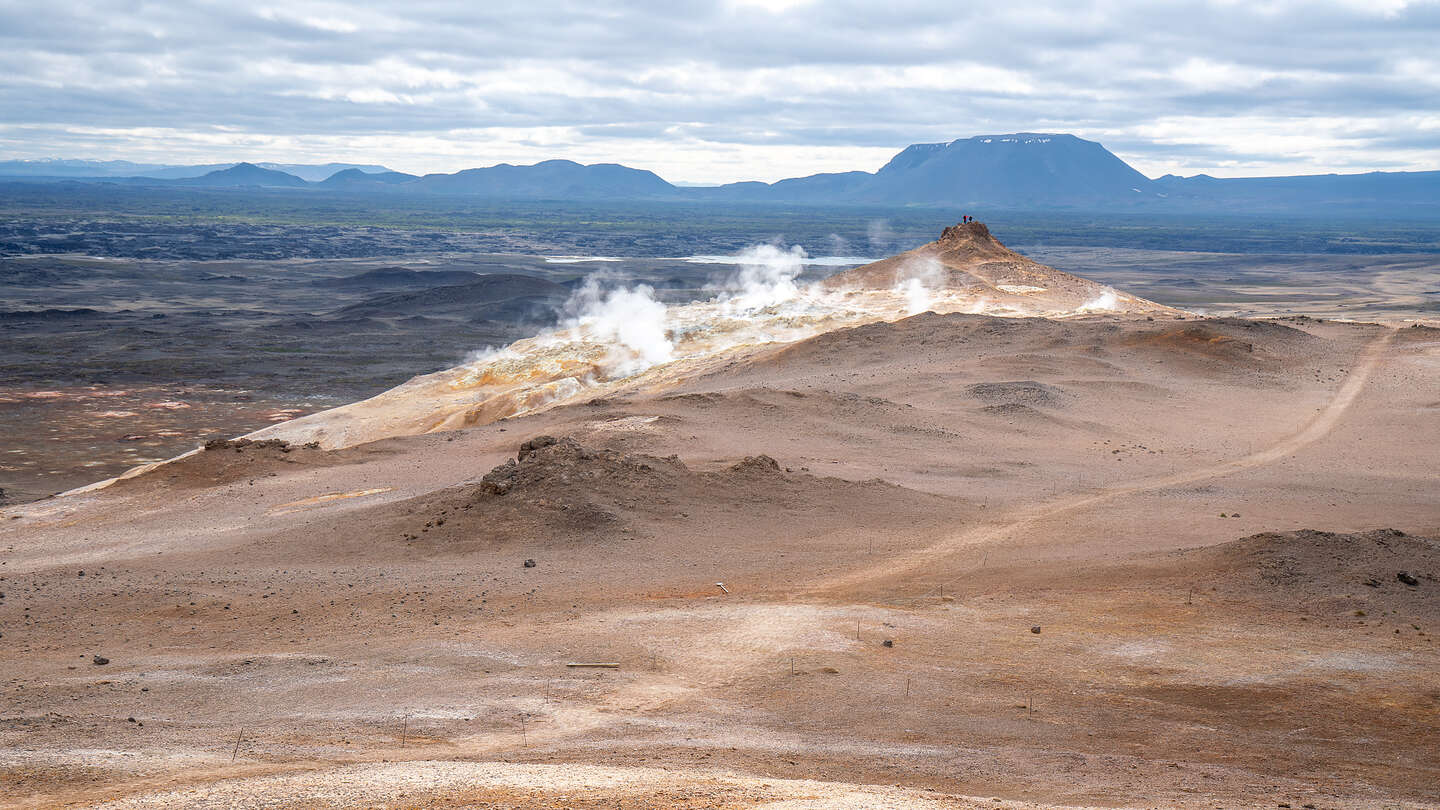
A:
1317,428
711,661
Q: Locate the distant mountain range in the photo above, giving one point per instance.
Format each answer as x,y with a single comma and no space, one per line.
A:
1016,171
95,169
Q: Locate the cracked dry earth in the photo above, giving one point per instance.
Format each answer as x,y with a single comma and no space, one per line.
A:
966,562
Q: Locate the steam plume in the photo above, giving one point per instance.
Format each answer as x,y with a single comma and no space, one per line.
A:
629,319
766,278
916,279
1107,301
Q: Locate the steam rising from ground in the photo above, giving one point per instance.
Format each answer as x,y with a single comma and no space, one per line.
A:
766,278
916,279
631,320
613,332
1107,301
640,330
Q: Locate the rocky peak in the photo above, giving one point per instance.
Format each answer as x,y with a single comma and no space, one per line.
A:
966,231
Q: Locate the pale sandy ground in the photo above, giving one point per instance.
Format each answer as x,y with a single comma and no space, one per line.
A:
357,629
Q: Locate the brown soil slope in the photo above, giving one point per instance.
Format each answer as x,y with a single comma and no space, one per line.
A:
993,558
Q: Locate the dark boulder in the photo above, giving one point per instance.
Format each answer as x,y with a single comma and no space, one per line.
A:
531,445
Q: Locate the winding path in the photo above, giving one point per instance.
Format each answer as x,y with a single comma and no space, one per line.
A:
1317,428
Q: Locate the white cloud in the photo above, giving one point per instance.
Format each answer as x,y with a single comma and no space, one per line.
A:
1206,74
772,6
719,90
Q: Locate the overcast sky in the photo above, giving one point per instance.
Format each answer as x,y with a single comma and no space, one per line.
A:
721,90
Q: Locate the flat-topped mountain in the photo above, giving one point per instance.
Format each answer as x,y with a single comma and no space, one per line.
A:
1010,169
1020,169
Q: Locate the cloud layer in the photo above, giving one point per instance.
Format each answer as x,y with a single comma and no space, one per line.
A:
722,90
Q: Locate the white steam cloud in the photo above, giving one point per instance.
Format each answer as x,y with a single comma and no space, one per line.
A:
766,278
1107,301
630,319
915,280
640,332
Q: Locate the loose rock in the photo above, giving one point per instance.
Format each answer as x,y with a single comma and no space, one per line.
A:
531,445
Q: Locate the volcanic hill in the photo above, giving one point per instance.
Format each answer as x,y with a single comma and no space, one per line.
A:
966,270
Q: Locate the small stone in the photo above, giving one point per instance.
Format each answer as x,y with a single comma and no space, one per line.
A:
1407,579
129,719
100,660
1035,629
887,643
529,563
